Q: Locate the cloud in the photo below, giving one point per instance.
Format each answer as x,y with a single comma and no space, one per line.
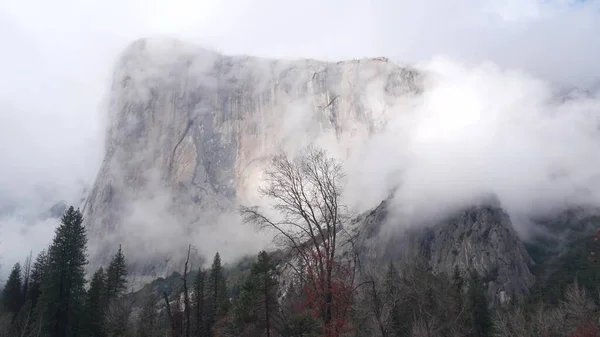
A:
479,130
58,58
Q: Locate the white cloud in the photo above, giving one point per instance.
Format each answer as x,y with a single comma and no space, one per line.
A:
482,130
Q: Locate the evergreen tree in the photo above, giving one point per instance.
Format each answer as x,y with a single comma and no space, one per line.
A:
198,303
32,311
40,267
12,297
480,315
116,276
26,278
95,306
218,301
63,292
255,307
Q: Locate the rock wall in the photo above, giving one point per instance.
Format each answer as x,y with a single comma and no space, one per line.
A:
190,128
189,131
479,238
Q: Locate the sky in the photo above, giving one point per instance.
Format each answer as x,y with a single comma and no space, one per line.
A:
57,58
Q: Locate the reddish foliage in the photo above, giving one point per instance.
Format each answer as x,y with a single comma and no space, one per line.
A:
587,330
337,288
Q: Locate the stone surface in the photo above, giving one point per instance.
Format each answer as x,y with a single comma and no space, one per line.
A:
190,128
189,131
479,238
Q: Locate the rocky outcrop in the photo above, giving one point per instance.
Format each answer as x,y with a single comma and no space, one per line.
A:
189,130
478,238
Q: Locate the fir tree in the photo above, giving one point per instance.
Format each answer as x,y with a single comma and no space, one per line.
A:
32,310
218,302
12,297
40,267
257,303
95,306
116,276
26,278
63,292
198,303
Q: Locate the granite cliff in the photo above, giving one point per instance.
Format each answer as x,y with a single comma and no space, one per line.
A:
478,238
190,130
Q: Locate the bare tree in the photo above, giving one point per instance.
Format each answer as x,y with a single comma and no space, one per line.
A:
170,316
186,294
574,316
118,319
26,275
147,321
306,193
578,307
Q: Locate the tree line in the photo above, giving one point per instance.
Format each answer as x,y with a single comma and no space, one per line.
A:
48,297
312,285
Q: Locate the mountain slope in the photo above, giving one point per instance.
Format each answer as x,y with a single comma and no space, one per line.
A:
479,238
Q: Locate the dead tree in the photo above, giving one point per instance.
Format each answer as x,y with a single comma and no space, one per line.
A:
186,294
118,318
306,194
170,317
26,275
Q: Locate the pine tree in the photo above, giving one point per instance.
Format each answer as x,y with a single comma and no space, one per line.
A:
63,292
32,311
254,308
39,270
95,306
12,296
198,303
26,278
116,276
218,302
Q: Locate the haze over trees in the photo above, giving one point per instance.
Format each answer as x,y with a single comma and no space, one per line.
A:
311,285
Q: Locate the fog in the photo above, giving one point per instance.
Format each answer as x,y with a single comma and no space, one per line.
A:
490,121
484,130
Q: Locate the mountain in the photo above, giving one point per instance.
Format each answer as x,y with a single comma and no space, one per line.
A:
478,238
190,129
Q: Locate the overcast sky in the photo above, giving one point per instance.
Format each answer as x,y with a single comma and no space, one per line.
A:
56,59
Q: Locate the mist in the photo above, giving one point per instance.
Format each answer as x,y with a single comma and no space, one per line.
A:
478,131
491,120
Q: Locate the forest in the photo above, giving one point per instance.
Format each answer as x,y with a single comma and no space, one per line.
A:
314,284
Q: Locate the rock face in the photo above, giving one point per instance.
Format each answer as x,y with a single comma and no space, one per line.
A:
190,128
479,238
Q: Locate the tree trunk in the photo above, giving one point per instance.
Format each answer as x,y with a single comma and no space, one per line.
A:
267,318
186,296
170,315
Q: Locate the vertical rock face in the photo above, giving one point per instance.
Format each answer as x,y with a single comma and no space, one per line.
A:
189,132
190,129
478,238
